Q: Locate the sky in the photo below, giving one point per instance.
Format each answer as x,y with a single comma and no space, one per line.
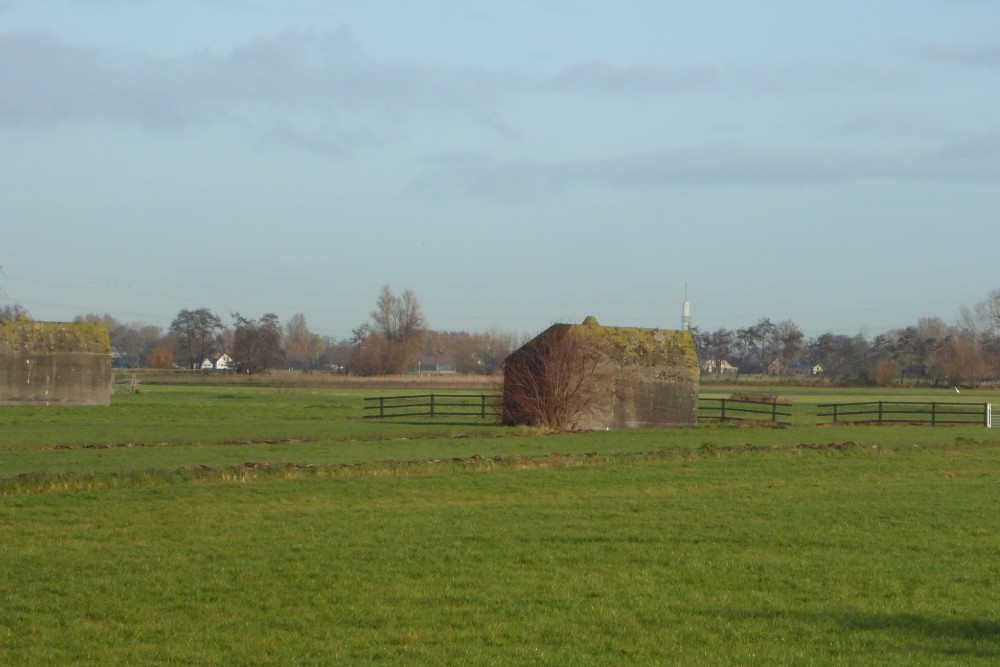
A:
515,164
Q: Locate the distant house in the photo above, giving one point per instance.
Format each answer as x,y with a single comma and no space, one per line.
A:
223,363
725,368
798,367
436,368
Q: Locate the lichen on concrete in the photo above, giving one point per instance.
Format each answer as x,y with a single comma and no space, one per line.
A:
40,337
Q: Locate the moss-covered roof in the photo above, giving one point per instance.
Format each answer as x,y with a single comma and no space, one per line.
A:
634,345
40,337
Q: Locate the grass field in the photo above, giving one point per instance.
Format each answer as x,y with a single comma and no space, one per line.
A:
222,525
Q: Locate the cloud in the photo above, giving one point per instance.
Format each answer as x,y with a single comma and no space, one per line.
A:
800,78
322,80
973,159
323,140
44,80
983,53
476,175
49,79
601,77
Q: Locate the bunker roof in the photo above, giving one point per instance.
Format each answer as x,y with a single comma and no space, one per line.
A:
25,336
634,345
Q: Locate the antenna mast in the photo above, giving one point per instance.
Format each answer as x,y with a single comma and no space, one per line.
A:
686,316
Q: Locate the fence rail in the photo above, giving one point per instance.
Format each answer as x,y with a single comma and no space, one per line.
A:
432,405
731,409
709,409
907,412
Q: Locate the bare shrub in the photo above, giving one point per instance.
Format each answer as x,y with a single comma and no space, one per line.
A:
560,381
884,373
753,398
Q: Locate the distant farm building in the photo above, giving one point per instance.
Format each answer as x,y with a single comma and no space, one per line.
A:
43,363
603,377
436,368
723,366
223,363
795,367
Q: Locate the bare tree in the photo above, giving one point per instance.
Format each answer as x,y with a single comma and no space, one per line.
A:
490,348
717,348
983,322
984,317
959,358
398,318
883,373
11,313
257,343
790,340
769,345
557,381
195,332
302,347
392,343
371,354
843,358
161,356
754,344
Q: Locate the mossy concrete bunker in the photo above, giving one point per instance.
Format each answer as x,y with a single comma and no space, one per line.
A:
612,377
54,363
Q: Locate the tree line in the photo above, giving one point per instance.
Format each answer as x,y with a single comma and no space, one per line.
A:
394,341
930,351
397,338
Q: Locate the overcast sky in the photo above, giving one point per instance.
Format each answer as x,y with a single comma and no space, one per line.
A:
515,164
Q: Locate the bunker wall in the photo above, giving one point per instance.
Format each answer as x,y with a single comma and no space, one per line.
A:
649,377
47,363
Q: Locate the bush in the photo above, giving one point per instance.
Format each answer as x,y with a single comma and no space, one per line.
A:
753,398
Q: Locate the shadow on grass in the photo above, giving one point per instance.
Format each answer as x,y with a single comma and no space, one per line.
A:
951,636
430,421
930,635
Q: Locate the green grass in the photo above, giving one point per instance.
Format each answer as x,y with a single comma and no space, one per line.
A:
359,542
170,427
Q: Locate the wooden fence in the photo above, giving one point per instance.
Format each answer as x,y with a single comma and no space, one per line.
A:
907,412
432,405
731,409
709,409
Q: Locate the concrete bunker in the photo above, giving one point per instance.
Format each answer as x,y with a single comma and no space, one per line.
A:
588,376
45,363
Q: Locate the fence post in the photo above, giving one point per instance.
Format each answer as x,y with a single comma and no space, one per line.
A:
482,406
722,412
987,415
835,406
880,413
381,407
774,412
432,405
933,413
